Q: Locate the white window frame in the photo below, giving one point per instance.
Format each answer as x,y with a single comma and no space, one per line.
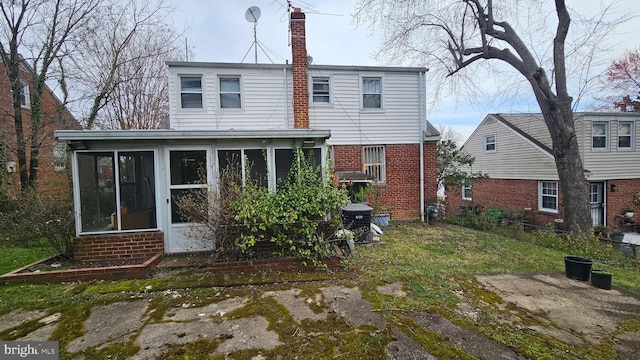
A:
322,80
487,143
239,92
182,91
60,158
546,189
25,98
467,186
606,135
363,93
374,162
632,140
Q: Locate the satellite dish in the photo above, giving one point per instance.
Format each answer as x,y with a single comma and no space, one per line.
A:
252,14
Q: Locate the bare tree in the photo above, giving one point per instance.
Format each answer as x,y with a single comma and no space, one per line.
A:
122,72
36,33
448,133
457,35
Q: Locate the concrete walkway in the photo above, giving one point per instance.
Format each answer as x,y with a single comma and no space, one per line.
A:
254,321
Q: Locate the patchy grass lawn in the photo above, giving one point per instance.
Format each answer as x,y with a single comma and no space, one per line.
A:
15,258
435,264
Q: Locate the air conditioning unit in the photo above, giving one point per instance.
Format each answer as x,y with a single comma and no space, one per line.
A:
357,219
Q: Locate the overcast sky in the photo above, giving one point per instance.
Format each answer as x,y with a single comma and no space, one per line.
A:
217,31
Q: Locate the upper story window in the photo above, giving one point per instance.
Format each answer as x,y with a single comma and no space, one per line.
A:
374,162
467,191
321,90
490,143
230,92
548,196
191,92
625,135
25,100
372,93
599,135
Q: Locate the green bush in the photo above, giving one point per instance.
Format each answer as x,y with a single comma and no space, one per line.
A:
300,217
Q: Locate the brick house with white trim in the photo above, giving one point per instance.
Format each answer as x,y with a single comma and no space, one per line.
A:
53,176
516,151
365,119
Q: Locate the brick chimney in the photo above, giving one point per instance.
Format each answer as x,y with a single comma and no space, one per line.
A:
299,60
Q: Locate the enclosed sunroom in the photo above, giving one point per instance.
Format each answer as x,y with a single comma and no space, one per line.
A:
126,182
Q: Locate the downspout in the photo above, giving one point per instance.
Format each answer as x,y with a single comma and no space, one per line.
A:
286,96
423,114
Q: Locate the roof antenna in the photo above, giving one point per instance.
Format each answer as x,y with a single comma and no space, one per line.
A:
252,15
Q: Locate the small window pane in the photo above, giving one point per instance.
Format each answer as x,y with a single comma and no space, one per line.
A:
374,162
371,101
599,135
230,85
191,101
372,93
191,92
321,90
191,83
625,137
59,156
230,101
188,167
230,92
97,191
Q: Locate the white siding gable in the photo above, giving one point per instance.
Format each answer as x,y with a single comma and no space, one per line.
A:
515,157
518,157
267,98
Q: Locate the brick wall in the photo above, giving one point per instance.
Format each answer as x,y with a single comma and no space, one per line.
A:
621,199
299,63
401,191
112,273
516,195
118,246
50,182
521,194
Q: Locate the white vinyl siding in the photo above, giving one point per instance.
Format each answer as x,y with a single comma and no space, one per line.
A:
267,104
548,196
263,101
518,157
399,123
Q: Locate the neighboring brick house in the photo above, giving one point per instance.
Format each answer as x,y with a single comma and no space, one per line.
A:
515,150
369,120
53,174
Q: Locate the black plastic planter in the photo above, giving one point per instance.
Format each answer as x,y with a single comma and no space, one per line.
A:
577,268
601,279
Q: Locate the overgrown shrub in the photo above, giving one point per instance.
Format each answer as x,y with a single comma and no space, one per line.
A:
299,217
34,218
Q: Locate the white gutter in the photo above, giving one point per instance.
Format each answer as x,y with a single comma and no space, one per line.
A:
137,135
286,97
